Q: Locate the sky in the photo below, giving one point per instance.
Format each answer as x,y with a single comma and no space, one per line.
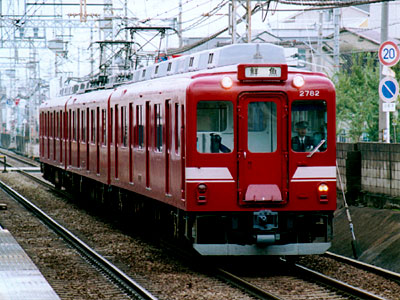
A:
200,18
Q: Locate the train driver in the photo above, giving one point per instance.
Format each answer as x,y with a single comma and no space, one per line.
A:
302,142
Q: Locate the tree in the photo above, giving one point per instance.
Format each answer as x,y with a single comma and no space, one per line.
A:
357,97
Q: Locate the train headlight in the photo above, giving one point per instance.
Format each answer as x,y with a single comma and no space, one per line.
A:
298,81
226,82
323,192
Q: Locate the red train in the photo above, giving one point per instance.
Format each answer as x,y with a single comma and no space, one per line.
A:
228,149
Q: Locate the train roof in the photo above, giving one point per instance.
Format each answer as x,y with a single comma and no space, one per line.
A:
208,59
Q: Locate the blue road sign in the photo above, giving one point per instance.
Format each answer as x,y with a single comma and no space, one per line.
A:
388,89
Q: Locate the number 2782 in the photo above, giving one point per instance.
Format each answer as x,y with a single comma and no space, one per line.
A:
309,93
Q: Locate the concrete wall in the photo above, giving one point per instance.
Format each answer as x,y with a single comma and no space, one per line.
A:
370,173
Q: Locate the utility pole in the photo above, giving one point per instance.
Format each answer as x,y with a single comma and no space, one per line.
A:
320,37
180,25
336,45
243,20
384,118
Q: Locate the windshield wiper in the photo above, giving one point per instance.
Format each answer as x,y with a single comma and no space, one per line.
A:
316,148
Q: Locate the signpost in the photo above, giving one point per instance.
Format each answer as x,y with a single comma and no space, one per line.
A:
388,89
389,55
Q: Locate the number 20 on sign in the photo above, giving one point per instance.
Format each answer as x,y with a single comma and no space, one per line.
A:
389,53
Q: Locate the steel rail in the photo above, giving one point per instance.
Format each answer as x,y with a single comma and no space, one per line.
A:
337,284
17,157
130,286
364,266
250,288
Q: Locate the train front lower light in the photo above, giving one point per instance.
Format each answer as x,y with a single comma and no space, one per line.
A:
201,193
322,192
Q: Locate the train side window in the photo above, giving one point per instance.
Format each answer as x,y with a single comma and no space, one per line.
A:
308,124
139,126
214,126
77,125
70,125
159,127
93,126
177,129
51,125
65,123
60,126
262,127
74,126
48,124
124,127
104,126
111,125
56,124
83,119
116,140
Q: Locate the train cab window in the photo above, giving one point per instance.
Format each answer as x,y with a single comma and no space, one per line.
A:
309,119
261,126
214,127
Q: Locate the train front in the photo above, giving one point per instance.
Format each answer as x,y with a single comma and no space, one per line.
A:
260,161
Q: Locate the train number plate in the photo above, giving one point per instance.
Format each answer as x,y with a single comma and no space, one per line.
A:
309,93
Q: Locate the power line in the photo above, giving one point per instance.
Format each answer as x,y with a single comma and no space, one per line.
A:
329,3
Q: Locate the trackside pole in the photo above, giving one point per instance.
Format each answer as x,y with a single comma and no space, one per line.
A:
354,244
4,163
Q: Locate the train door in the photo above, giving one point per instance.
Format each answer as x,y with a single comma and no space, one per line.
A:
262,149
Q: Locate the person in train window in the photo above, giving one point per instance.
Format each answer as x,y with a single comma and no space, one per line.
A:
302,142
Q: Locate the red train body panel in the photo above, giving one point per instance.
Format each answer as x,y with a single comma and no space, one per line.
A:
216,144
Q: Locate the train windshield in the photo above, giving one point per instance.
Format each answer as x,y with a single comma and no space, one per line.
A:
214,127
308,125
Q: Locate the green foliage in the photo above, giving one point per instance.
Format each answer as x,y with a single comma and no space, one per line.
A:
357,97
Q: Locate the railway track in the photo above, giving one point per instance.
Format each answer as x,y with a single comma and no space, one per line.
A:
306,283
13,156
130,286
364,266
254,287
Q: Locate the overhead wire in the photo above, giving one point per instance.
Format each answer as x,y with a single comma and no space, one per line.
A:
206,16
